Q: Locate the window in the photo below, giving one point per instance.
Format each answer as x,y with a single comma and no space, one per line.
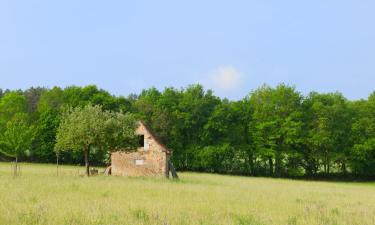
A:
139,162
141,141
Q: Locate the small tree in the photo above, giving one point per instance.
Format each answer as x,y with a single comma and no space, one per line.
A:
83,128
17,138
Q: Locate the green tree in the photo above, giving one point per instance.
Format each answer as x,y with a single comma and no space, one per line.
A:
328,128
362,158
45,136
226,133
83,128
276,124
80,129
17,138
193,111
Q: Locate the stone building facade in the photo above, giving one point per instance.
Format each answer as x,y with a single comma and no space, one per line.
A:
150,159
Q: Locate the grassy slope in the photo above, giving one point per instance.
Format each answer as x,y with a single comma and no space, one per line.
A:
40,197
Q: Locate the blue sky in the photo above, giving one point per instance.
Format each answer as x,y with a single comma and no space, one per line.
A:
231,47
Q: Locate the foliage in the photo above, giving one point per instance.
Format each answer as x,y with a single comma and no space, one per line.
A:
83,128
363,135
45,137
274,131
276,124
119,132
17,138
11,104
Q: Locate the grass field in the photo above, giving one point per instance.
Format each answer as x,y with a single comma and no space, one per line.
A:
38,196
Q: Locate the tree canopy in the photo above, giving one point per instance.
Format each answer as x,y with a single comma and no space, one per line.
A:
274,131
82,128
17,138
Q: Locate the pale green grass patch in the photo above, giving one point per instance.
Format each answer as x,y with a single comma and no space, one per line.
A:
38,196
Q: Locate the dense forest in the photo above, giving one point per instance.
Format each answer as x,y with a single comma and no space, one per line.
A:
274,131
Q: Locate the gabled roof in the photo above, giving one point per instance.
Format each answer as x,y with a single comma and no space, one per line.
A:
156,137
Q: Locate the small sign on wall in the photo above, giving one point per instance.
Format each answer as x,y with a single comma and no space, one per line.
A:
139,162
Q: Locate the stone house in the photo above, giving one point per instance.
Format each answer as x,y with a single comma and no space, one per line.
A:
150,159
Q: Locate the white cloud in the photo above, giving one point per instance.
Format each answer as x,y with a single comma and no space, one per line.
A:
225,78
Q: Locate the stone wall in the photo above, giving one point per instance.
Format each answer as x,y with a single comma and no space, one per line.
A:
151,160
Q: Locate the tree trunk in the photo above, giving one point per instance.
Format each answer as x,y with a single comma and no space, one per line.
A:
278,165
87,152
327,163
316,166
57,164
251,164
15,167
270,164
186,161
343,167
309,166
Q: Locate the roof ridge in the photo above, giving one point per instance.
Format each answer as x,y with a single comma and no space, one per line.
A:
155,136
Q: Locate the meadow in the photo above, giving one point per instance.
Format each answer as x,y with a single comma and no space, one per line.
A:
39,196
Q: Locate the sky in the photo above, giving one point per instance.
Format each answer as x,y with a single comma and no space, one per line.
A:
231,47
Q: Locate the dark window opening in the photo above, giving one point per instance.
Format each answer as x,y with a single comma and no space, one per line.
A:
141,141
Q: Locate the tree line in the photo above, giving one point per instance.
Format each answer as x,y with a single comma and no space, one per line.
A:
273,131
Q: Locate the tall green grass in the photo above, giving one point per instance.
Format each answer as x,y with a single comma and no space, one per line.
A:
39,196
